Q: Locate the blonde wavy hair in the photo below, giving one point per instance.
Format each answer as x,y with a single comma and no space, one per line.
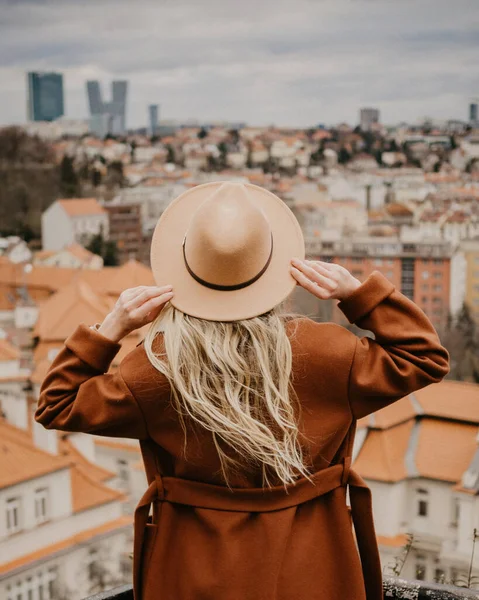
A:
235,379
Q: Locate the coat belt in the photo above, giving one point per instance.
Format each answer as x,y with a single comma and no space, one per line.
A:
215,497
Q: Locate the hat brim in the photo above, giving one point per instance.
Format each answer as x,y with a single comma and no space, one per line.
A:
197,300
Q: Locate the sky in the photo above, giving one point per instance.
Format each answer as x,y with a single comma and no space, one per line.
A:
294,63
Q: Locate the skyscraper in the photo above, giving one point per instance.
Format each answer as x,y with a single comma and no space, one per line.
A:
45,96
473,113
107,116
153,119
368,117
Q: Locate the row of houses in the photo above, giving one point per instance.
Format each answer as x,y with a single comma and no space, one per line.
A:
66,500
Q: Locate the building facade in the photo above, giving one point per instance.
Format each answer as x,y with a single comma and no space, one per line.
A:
107,117
421,271
77,220
153,116
45,96
471,254
368,117
125,230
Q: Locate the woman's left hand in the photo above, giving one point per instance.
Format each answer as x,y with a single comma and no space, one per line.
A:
134,308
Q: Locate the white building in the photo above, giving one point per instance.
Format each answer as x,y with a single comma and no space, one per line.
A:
70,257
152,197
420,457
15,249
61,526
68,221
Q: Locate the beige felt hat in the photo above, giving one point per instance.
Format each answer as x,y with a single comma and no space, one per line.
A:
226,249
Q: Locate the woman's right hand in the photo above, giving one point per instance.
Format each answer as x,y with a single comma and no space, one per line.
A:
324,280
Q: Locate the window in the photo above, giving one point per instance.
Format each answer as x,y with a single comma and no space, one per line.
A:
437,300
437,275
437,261
425,287
422,505
437,287
378,262
123,473
439,575
13,515
390,262
420,571
456,507
425,274
41,505
357,260
422,508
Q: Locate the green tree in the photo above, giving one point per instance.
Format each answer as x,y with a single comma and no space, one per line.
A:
132,151
344,156
107,249
96,178
170,157
461,338
202,133
110,255
223,149
69,186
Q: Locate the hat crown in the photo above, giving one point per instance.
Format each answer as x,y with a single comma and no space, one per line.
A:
228,240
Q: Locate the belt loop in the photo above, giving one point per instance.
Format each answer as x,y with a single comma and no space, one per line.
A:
346,468
161,493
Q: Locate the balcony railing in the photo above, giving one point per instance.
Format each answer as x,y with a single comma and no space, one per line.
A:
394,588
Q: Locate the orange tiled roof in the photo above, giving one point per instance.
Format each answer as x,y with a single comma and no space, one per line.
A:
445,449
40,369
74,540
62,312
8,351
395,541
395,413
382,454
117,445
80,252
451,399
20,460
88,493
77,207
431,433
92,470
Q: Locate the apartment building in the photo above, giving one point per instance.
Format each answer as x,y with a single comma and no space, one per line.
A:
125,229
420,270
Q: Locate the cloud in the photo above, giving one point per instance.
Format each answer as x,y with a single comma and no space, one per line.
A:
262,61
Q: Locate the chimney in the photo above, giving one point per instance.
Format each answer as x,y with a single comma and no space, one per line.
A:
45,439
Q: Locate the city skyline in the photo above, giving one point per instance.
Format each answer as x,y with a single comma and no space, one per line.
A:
289,65
45,96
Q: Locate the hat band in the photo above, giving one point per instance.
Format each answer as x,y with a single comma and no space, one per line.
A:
227,288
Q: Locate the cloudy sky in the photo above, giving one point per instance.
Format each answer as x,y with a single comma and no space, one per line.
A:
294,62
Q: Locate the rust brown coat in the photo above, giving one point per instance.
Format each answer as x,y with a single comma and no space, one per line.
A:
205,542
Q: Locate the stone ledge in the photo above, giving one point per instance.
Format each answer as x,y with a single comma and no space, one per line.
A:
394,588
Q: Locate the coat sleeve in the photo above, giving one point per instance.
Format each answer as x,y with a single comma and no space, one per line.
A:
78,395
406,354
